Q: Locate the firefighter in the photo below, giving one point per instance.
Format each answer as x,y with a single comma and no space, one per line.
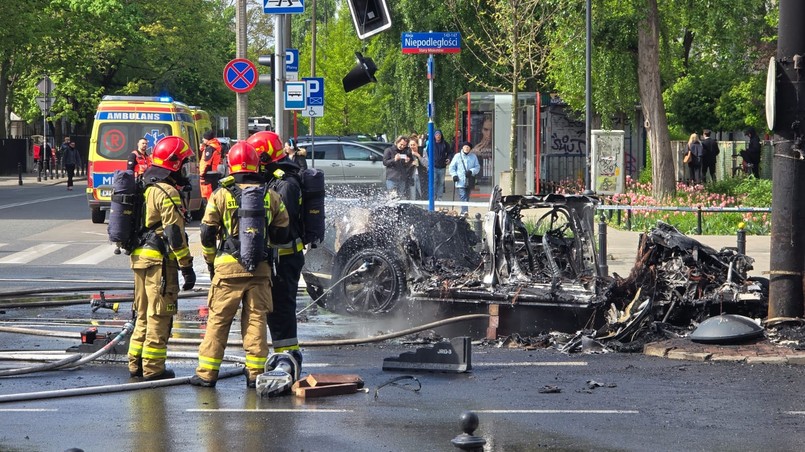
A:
210,159
282,175
157,261
138,159
231,283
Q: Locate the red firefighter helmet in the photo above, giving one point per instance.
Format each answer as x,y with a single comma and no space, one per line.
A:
170,152
243,158
268,145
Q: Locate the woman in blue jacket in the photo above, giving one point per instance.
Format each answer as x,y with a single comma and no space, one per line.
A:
464,168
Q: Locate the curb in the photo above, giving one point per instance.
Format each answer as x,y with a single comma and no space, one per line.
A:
760,352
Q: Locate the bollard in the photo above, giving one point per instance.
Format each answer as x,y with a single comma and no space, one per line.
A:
466,440
39,171
19,172
603,268
628,219
741,238
699,220
476,224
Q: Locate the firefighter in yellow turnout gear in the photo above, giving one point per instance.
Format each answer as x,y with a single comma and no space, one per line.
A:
163,251
232,283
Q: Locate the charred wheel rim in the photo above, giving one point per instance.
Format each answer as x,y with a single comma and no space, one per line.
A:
375,290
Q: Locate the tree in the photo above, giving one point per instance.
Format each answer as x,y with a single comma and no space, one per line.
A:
506,37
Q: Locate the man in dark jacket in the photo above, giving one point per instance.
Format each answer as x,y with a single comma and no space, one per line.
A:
751,154
711,151
441,158
399,165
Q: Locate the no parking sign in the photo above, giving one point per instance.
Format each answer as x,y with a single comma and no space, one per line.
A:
240,75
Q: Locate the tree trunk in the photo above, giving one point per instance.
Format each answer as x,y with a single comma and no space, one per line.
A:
648,78
5,112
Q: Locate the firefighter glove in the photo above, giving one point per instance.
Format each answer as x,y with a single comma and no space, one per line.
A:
455,178
189,276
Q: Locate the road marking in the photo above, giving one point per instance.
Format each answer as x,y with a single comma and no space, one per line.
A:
794,412
56,198
23,257
93,256
557,411
532,363
26,410
83,281
261,410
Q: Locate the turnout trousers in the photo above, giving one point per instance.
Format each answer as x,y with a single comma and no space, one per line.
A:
282,320
154,309
224,300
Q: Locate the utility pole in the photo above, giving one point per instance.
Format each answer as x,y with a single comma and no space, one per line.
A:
785,111
279,74
242,99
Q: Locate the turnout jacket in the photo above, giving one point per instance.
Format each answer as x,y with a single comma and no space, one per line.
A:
167,238
221,222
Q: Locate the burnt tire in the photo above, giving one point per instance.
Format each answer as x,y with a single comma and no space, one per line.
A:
98,216
376,291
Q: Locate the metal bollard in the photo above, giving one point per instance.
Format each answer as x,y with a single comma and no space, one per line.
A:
628,219
19,172
478,227
466,440
603,268
699,220
741,238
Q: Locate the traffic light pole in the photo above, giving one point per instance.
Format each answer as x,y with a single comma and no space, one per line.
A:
279,74
241,99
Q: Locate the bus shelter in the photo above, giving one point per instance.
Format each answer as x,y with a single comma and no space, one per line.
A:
484,119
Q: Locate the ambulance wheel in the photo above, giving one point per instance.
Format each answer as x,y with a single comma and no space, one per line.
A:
373,284
98,215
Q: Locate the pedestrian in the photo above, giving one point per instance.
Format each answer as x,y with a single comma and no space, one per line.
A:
139,160
282,175
693,154
37,152
397,160
208,167
157,262
419,174
441,158
60,154
710,155
295,154
751,155
231,283
464,168
47,159
71,160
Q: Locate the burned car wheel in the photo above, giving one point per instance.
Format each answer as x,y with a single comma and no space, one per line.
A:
372,282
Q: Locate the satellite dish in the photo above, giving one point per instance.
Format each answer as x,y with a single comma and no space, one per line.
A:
771,93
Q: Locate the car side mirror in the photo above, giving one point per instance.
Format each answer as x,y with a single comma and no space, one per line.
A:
373,157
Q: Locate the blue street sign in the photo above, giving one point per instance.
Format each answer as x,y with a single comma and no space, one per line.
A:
431,42
295,95
291,60
315,97
240,75
277,7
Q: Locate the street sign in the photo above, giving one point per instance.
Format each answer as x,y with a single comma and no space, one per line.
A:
431,42
315,97
46,85
295,95
292,64
240,75
45,102
277,7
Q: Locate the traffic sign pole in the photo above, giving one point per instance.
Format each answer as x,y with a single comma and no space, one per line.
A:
430,43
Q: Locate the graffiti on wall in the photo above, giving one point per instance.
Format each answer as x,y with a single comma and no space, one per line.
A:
567,136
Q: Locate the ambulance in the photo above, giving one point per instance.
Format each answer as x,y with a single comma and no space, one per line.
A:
120,121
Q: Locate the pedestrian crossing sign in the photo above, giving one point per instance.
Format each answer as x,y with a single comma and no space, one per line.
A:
283,6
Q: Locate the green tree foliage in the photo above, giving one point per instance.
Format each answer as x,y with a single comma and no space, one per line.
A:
91,48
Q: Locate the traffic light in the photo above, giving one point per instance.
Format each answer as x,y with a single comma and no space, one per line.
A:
361,74
267,79
369,16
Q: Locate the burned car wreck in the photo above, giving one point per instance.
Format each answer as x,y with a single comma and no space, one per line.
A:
530,263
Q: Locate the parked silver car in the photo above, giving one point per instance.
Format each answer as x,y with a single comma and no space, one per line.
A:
348,164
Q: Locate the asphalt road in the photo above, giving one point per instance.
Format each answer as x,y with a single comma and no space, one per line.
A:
596,402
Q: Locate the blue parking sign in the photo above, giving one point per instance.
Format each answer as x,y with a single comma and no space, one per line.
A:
315,97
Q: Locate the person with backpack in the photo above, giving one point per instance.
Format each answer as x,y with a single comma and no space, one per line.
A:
283,176
242,217
162,252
